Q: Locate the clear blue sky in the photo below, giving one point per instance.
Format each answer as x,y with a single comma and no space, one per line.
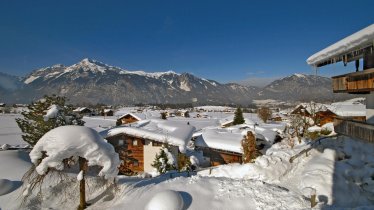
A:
220,40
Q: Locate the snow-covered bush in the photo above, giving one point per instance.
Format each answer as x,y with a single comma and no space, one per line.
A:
44,115
65,146
164,161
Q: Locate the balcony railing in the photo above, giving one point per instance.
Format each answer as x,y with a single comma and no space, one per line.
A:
356,82
355,129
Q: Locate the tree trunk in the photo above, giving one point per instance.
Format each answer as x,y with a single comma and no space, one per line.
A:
82,184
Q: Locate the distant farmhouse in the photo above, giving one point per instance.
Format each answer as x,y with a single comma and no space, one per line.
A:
84,111
130,118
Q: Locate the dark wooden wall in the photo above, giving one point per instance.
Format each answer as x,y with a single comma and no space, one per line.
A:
128,151
220,157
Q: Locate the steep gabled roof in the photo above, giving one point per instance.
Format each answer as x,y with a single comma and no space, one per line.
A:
138,116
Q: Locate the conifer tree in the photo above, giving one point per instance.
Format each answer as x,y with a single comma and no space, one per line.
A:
249,148
238,118
33,124
164,160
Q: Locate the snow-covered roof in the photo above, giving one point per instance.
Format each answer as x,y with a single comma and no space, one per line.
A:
79,109
107,110
229,139
312,107
230,119
221,139
334,53
348,109
67,141
164,131
138,116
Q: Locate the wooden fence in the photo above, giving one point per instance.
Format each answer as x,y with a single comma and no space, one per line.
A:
354,129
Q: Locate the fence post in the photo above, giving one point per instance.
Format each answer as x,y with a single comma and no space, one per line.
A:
313,201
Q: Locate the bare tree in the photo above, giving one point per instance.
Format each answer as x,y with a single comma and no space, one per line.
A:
264,113
296,127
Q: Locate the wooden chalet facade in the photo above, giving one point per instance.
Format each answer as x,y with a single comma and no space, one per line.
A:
137,154
131,152
219,157
325,116
358,46
128,118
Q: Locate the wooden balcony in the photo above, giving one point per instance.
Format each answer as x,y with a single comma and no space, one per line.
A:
354,129
361,82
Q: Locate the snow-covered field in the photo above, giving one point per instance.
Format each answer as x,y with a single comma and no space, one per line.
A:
9,131
339,170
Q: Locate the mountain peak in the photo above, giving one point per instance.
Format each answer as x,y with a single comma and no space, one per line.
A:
88,62
299,75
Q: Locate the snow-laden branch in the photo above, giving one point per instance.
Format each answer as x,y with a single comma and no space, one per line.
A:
75,141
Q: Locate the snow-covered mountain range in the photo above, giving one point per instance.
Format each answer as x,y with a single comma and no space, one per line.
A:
90,81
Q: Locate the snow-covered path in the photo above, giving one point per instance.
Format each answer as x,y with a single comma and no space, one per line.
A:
211,193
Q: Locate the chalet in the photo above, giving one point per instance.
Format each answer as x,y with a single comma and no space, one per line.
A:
356,47
84,111
301,110
223,145
130,118
107,112
324,116
2,104
219,146
139,143
183,113
277,117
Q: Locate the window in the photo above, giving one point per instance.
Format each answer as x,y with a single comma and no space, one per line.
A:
121,142
135,142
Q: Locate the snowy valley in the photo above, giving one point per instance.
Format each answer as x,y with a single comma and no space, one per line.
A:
285,177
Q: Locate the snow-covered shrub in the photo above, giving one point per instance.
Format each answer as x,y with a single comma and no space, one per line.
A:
66,146
313,135
164,161
44,115
325,132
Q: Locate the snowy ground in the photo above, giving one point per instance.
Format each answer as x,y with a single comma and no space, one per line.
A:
341,171
9,131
